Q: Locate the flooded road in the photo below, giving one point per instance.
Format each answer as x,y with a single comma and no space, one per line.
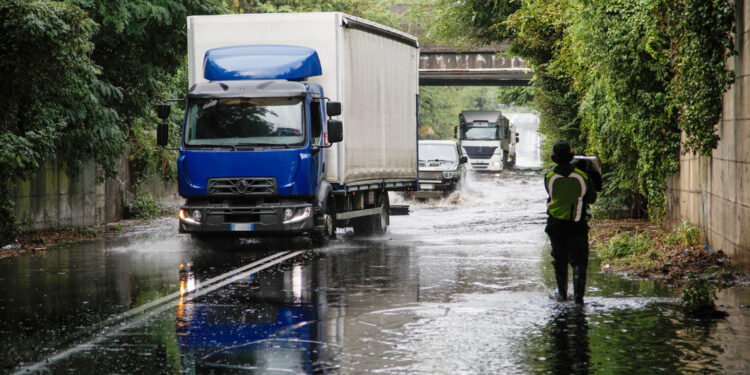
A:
461,286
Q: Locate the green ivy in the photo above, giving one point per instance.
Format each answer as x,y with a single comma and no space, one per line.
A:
701,40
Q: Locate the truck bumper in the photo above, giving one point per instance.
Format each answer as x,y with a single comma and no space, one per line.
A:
246,220
436,185
493,164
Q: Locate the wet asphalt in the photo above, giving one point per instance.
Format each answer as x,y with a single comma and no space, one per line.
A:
460,286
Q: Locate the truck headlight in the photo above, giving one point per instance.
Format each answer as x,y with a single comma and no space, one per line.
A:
449,174
288,214
297,215
496,164
190,218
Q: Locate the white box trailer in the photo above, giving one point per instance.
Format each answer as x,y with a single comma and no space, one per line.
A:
371,69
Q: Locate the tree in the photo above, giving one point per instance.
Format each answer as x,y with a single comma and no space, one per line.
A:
376,11
76,75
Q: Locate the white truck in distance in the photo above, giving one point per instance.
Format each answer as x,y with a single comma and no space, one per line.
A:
488,139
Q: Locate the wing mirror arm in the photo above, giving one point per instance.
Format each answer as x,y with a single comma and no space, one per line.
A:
162,130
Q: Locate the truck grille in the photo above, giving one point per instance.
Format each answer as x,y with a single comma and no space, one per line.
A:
479,152
430,175
242,186
221,215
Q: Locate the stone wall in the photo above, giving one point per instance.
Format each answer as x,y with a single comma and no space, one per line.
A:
51,199
714,192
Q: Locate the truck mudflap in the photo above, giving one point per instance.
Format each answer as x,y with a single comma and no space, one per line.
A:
247,220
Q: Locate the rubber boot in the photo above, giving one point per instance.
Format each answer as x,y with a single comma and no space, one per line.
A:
561,275
579,283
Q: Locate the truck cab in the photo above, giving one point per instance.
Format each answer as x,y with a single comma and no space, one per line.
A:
254,144
488,139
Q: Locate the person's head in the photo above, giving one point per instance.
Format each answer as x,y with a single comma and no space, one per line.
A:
561,153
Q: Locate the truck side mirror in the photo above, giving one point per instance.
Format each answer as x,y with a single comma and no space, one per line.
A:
162,133
517,139
463,160
335,131
333,108
162,110
455,132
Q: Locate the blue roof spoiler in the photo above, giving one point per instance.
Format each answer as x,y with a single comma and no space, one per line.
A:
261,62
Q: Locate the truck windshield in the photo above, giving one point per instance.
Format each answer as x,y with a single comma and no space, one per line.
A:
245,122
438,152
479,132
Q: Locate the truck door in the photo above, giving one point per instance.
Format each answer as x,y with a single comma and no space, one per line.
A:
316,134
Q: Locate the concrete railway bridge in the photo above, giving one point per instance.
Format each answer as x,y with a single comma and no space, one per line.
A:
479,66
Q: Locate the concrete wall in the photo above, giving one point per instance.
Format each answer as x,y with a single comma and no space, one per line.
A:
50,199
714,192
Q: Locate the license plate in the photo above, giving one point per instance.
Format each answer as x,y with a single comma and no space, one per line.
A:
241,227
426,186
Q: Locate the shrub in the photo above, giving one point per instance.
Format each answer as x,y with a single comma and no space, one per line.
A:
626,244
143,207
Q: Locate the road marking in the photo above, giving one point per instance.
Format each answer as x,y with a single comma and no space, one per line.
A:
169,301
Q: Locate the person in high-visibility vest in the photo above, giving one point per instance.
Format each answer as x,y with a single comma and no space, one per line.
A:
570,193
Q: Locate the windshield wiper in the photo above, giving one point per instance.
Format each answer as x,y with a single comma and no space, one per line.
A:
212,146
281,145
438,160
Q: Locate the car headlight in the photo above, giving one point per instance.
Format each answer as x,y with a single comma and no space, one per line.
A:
297,215
449,174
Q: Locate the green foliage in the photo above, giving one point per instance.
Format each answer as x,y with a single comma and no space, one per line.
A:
460,23
78,75
517,96
85,232
626,244
439,107
699,293
54,100
624,80
701,36
685,235
141,206
373,10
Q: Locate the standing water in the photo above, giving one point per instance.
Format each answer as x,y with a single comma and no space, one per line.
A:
461,286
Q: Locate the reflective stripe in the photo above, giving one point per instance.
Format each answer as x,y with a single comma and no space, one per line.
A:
579,206
550,185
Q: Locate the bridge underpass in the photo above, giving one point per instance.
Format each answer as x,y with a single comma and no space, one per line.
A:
440,66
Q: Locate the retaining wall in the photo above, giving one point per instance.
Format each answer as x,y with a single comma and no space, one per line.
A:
51,199
714,192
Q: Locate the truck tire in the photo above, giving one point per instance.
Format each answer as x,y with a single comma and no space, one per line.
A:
321,237
375,224
379,223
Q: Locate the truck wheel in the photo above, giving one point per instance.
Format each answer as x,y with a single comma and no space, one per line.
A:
380,222
321,237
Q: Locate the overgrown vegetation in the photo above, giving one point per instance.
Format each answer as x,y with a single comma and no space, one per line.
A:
81,79
678,256
619,79
141,206
78,77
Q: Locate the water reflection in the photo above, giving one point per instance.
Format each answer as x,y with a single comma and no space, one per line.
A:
267,323
569,335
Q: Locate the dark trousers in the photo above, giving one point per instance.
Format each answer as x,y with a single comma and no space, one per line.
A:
573,249
570,241
570,244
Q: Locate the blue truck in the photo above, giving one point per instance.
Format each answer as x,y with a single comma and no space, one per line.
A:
263,150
